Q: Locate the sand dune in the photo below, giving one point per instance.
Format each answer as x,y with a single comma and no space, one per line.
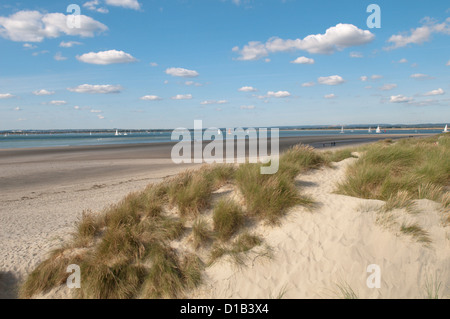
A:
315,251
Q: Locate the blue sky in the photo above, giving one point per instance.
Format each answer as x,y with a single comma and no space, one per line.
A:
163,64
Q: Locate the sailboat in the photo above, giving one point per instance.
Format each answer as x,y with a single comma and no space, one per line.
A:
117,133
445,129
342,130
219,132
378,130
370,130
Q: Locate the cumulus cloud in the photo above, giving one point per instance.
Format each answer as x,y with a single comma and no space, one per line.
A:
364,78
59,57
335,38
97,89
419,76
151,98
69,44
5,96
58,103
247,89
356,55
129,4
180,72
192,83
403,61
331,80
96,111
107,57
376,77
248,107
93,6
419,35
303,60
388,87
33,26
278,94
308,84
330,96
182,97
209,102
29,46
153,64
43,92
400,99
435,92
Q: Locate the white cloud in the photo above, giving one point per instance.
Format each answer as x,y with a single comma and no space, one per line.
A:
184,73
400,99
419,35
331,80
59,57
247,89
58,103
33,26
308,84
97,89
190,83
376,77
100,117
209,102
356,55
96,111
278,94
182,97
43,92
29,46
69,44
435,92
448,63
151,98
335,38
364,78
17,109
107,57
6,96
419,76
329,96
93,6
129,4
248,107
153,64
303,60
76,107
403,61
388,87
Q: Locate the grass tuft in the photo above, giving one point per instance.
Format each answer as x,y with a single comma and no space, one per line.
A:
228,218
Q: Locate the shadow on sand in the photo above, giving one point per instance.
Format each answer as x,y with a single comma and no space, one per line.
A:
8,285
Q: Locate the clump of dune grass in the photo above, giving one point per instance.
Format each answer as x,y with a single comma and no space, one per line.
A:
267,197
339,155
219,174
300,158
417,232
201,233
433,286
419,167
241,245
345,291
228,218
190,192
401,199
50,273
87,228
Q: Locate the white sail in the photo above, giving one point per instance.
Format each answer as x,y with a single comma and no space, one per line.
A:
117,132
378,130
219,132
342,130
446,129
370,130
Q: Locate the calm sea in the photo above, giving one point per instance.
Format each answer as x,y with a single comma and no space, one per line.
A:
79,139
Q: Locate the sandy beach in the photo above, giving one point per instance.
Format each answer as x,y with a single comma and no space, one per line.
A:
45,191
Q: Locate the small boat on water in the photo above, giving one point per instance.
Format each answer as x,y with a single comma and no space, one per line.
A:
378,130
219,132
445,129
370,130
342,130
117,133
